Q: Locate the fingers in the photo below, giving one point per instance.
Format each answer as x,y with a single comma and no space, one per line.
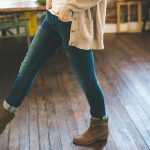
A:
48,4
63,17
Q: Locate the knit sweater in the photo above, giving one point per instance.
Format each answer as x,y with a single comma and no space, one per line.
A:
88,23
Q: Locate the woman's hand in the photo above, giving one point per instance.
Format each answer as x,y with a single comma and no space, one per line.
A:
48,4
63,17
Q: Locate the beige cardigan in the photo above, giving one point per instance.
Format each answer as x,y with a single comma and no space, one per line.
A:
88,22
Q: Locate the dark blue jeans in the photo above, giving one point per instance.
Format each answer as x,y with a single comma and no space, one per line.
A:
49,38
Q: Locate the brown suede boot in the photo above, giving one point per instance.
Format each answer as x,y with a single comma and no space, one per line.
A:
5,118
97,130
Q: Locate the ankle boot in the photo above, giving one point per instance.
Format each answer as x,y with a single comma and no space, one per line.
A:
5,117
97,130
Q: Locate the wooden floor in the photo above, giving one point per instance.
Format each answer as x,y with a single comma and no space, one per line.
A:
56,109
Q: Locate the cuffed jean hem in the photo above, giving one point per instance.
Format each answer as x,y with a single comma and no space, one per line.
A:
9,107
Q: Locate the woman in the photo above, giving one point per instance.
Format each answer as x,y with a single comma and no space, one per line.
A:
79,26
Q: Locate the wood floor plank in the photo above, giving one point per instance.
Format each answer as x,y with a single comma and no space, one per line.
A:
139,124
24,126
65,139
42,119
61,118
67,108
14,140
49,96
33,124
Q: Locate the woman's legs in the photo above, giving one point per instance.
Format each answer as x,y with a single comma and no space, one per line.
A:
83,65
45,43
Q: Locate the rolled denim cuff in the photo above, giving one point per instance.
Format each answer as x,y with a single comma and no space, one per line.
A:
9,107
103,117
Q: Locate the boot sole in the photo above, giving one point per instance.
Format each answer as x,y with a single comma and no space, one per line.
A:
102,138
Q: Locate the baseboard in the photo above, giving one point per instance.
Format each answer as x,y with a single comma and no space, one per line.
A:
112,28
